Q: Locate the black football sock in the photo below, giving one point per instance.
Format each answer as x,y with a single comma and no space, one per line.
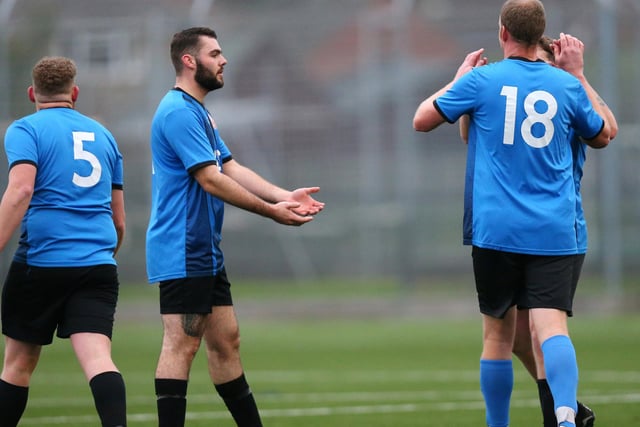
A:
109,396
13,400
546,403
240,402
172,402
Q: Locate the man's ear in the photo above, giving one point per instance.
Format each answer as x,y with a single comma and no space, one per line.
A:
503,33
74,93
31,94
188,61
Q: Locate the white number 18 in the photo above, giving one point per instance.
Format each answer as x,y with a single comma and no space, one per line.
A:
533,117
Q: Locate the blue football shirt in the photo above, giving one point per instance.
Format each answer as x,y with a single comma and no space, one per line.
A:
185,226
520,192
579,150
69,220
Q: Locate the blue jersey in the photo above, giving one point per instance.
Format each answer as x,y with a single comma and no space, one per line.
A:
185,227
520,192
579,150
69,220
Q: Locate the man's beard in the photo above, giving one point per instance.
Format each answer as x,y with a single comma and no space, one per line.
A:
206,78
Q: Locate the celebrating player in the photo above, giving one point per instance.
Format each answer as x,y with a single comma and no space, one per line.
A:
520,199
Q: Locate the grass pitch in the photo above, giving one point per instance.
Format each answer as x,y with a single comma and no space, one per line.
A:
370,371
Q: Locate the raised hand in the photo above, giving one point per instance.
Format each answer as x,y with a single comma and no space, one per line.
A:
569,54
472,60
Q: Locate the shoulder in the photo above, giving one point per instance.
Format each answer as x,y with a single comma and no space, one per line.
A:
176,104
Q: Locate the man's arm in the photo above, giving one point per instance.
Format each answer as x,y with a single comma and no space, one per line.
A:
16,199
269,192
569,56
427,117
118,215
464,128
230,191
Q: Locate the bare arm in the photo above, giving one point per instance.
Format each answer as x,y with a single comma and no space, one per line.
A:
231,191
269,192
427,117
118,216
464,128
15,200
254,183
569,54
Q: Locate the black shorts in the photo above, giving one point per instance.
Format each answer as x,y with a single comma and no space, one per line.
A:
505,279
38,300
195,295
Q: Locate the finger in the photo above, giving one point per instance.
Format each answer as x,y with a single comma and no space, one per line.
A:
311,190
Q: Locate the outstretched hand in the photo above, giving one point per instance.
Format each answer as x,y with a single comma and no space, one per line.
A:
307,204
286,213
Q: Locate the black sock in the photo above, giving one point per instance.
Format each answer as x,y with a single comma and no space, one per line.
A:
13,400
546,403
240,402
172,402
110,398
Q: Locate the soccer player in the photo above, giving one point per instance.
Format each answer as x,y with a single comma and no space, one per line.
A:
194,175
65,190
520,202
571,51
524,344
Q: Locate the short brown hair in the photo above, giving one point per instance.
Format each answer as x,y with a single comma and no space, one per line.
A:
524,20
53,75
188,41
546,43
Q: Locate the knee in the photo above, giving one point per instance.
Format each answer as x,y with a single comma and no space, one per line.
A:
522,348
182,348
20,370
226,345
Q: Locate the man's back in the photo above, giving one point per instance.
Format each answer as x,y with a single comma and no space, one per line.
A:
520,191
69,221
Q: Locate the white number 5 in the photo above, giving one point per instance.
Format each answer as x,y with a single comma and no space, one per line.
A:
79,153
533,117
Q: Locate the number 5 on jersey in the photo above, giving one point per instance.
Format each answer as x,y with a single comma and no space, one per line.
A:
79,153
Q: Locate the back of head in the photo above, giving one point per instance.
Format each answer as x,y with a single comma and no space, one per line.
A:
53,75
188,41
546,45
524,20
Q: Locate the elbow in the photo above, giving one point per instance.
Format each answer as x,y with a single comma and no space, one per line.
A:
120,228
119,223
613,132
603,138
420,125
600,142
24,193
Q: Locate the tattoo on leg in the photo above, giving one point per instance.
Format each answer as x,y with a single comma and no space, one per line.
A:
192,324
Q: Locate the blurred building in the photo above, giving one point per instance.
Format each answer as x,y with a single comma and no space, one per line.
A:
323,93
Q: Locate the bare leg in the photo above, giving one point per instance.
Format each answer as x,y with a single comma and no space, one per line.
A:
107,386
222,339
180,343
20,360
522,344
94,353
